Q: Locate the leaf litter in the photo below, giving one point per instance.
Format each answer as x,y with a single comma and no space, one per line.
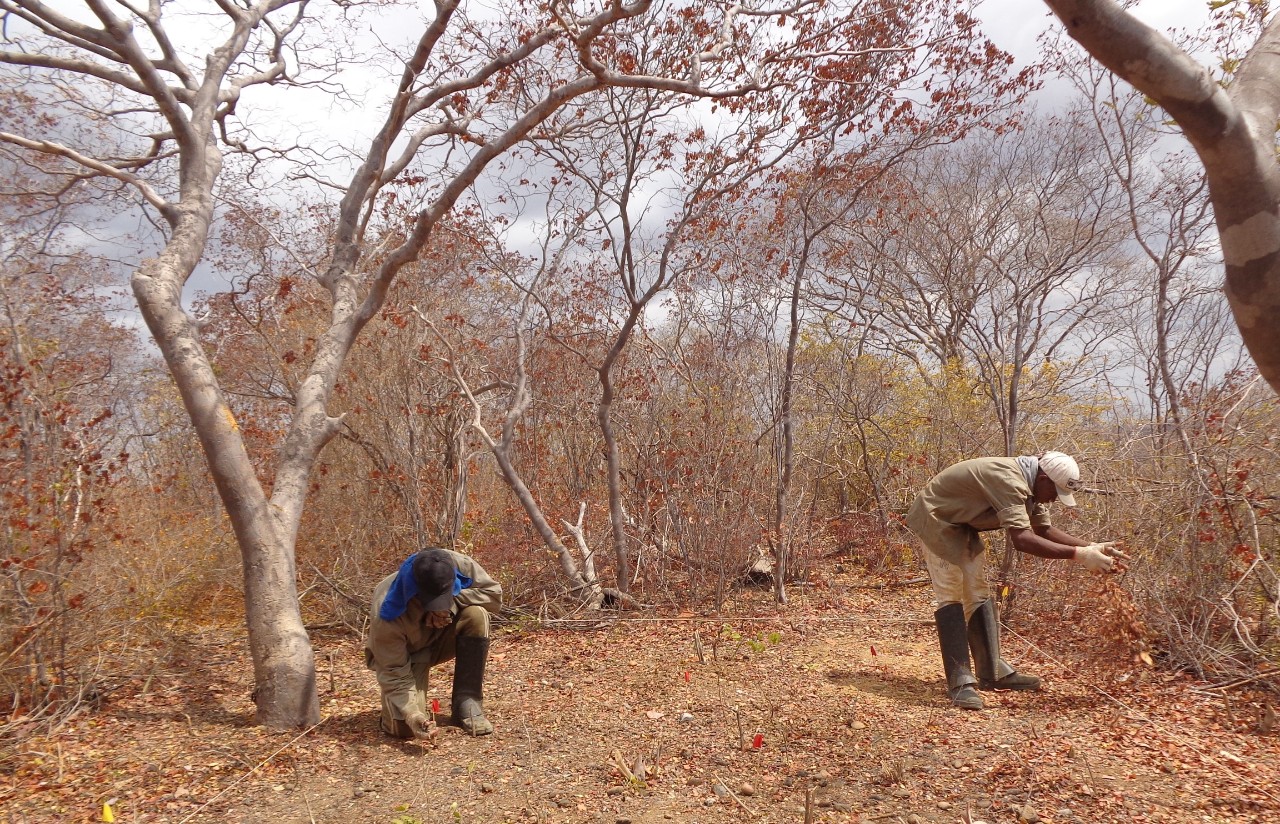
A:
830,711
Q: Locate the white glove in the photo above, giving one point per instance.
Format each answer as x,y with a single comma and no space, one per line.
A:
422,726
1099,557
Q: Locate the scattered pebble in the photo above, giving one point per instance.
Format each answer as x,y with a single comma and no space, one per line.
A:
745,788
1028,815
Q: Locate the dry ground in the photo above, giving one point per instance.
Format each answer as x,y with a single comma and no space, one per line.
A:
844,690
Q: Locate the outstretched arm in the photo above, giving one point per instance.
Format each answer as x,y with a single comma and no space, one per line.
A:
1104,557
1056,535
1036,542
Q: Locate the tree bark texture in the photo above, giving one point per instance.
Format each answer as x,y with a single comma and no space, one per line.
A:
284,666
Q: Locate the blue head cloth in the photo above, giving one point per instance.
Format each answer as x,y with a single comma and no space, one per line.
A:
405,587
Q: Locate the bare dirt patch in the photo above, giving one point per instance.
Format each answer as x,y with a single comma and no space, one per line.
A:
835,705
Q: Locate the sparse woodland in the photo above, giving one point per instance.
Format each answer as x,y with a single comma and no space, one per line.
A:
661,312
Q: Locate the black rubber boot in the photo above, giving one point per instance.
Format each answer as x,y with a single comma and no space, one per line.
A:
468,685
994,673
955,657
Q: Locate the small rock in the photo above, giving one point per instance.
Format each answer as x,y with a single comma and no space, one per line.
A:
745,788
841,807
719,760
614,791
858,725
710,801
486,788
914,819
1028,815
694,782
1065,814
720,790
900,792
685,717
358,792
944,805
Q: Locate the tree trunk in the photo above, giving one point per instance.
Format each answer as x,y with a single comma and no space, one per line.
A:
787,447
617,517
283,661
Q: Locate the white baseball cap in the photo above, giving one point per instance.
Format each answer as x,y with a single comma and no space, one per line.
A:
1064,471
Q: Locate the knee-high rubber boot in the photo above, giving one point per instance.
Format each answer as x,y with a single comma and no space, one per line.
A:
955,657
994,673
468,685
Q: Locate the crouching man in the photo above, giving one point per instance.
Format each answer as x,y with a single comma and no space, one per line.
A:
434,608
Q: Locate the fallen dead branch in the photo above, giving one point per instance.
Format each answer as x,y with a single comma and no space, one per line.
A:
735,797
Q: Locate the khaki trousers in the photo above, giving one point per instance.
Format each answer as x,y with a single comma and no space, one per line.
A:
964,583
469,622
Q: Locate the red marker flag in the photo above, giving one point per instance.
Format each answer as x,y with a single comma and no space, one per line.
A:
757,742
873,651
435,705
686,676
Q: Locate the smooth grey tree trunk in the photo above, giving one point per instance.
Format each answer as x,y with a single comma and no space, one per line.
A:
283,661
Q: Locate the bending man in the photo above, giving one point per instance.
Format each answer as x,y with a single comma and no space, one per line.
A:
949,514
434,608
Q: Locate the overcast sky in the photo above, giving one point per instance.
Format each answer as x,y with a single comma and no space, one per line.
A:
1014,25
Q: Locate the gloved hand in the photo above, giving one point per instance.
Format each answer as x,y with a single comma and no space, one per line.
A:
1100,557
421,724
439,620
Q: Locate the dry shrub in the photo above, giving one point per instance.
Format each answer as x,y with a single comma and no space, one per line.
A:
1193,508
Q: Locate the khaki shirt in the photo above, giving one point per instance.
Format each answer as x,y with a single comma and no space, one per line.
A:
970,497
393,647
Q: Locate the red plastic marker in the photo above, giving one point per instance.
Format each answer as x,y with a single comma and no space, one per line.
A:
757,742
435,705
873,652
686,676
